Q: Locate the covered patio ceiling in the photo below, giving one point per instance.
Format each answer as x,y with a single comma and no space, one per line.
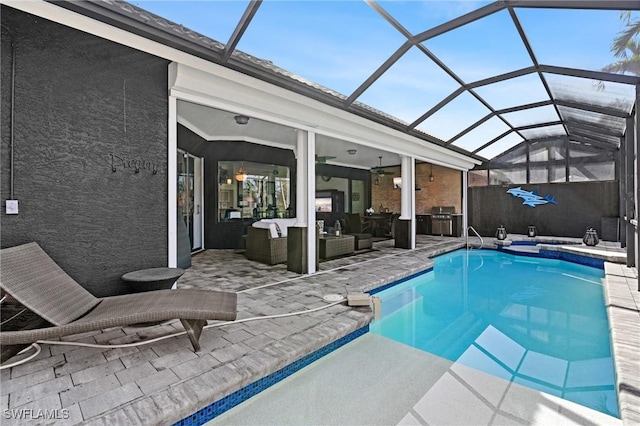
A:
509,80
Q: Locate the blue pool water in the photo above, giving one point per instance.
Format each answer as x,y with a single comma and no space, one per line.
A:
537,322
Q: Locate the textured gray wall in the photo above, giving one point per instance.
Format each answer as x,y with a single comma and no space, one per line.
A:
83,104
579,205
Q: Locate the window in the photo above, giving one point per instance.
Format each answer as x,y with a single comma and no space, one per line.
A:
253,190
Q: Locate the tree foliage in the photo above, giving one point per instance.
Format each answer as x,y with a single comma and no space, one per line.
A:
626,47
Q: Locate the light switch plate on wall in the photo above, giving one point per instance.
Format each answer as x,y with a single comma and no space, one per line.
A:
11,207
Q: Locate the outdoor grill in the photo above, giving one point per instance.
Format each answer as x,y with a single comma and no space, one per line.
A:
442,221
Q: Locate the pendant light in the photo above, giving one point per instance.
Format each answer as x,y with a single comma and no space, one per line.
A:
241,173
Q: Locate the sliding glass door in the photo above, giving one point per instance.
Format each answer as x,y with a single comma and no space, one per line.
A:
190,197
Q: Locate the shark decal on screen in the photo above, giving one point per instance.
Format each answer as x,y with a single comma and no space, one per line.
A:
530,198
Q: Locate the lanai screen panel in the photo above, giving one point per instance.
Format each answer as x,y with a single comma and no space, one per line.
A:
515,157
514,92
419,16
613,141
484,48
616,96
336,44
477,137
515,175
509,168
544,114
552,150
547,161
478,177
501,145
602,127
590,163
415,82
543,132
570,37
454,117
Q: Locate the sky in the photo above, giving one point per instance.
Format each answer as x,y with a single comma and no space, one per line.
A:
338,44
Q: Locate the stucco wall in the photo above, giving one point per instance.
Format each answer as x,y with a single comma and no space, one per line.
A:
579,205
83,105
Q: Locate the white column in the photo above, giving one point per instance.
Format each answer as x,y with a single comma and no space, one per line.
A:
172,183
408,195
465,207
301,186
311,196
305,192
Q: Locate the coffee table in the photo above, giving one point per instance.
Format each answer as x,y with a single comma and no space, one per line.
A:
332,246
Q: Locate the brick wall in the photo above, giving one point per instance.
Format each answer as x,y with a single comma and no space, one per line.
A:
445,190
83,105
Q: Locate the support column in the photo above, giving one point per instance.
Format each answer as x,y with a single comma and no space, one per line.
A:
172,183
621,175
310,159
635,177
301,183
305,213
629,191
465,206
406,226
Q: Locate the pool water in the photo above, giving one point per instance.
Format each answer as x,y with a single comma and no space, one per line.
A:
538,322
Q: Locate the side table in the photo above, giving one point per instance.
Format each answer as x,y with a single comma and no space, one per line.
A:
152,279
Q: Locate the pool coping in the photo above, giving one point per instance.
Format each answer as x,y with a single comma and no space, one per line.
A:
622,300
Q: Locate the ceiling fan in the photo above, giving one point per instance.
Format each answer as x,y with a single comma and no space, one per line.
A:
321,159
380,171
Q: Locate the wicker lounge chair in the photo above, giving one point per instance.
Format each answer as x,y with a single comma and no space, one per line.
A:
263,247
31,277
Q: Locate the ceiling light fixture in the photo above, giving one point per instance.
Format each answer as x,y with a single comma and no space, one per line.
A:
241,173
241,119
352,151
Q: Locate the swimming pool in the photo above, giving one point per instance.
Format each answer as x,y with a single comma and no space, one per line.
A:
537,322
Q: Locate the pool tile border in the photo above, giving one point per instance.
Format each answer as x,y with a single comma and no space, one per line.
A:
594,262
545,253
400,281
222,405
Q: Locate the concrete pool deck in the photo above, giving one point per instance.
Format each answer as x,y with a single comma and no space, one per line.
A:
164,382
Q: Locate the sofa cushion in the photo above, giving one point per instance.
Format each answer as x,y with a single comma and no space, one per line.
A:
283,224
273,231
